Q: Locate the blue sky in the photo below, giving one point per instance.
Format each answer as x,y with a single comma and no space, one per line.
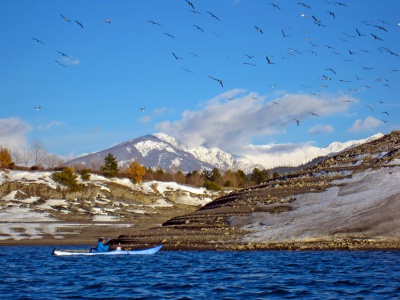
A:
327,70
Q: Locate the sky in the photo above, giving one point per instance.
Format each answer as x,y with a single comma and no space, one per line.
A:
226,73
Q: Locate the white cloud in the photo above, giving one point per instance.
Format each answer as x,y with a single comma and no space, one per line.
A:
319,128
13,133
49,125
145,119
229,124
368,124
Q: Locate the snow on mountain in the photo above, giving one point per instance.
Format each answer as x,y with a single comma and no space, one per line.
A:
162,151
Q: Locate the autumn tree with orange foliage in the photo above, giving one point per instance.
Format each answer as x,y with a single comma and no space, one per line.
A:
5,157
135,171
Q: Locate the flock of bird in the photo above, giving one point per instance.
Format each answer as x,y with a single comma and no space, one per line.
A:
327,75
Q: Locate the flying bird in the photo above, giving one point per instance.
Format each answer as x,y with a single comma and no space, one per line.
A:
385,112
79,23
331,70
313,113
198,28
142,108
108,21
303,4
214,16
154,23
63,54
250,56
170,35
216,79
37,108
359,33
269,62
65,19
60,63
376,37
272,85
369,107
259,29
331,14
274,5
247,63
297,121
176,57
39,41
190,3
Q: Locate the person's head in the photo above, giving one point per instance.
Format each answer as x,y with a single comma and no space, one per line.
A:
102,240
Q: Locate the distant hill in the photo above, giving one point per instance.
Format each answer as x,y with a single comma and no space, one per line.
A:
162,151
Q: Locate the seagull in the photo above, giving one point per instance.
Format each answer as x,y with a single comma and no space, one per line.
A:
198,28
297,121
247,63
313,113
219,80
316,20
331,70
275,102
37,108
170,35
79,23
376,38
65,19
63,54
359,34
190,3
274,5
214,16
250,56
380,27
60,63
39,41
142,108
369,107
108,21
305,5
351,52
176,57
331,14
154,23
385,112
272,85
259,29
187,70
269,62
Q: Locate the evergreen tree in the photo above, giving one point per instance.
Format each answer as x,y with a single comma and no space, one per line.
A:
110,167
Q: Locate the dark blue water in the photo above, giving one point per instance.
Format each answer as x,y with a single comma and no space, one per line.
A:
33,273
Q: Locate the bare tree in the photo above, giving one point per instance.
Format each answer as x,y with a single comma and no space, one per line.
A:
52,160
38,152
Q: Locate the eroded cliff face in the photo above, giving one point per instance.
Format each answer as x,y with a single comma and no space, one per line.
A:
350,200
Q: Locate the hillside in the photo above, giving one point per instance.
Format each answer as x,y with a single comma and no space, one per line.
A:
348,201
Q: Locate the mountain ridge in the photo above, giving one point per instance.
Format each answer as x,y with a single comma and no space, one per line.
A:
159,150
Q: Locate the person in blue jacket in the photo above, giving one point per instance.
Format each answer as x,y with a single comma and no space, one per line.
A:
102,245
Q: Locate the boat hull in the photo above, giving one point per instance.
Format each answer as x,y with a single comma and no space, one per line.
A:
113,252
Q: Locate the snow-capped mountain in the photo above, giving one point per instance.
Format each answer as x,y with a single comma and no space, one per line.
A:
162,151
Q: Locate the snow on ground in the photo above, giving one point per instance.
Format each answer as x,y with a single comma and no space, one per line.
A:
368,205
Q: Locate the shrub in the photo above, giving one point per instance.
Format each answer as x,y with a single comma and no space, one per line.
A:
68,178
85,174
211,185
